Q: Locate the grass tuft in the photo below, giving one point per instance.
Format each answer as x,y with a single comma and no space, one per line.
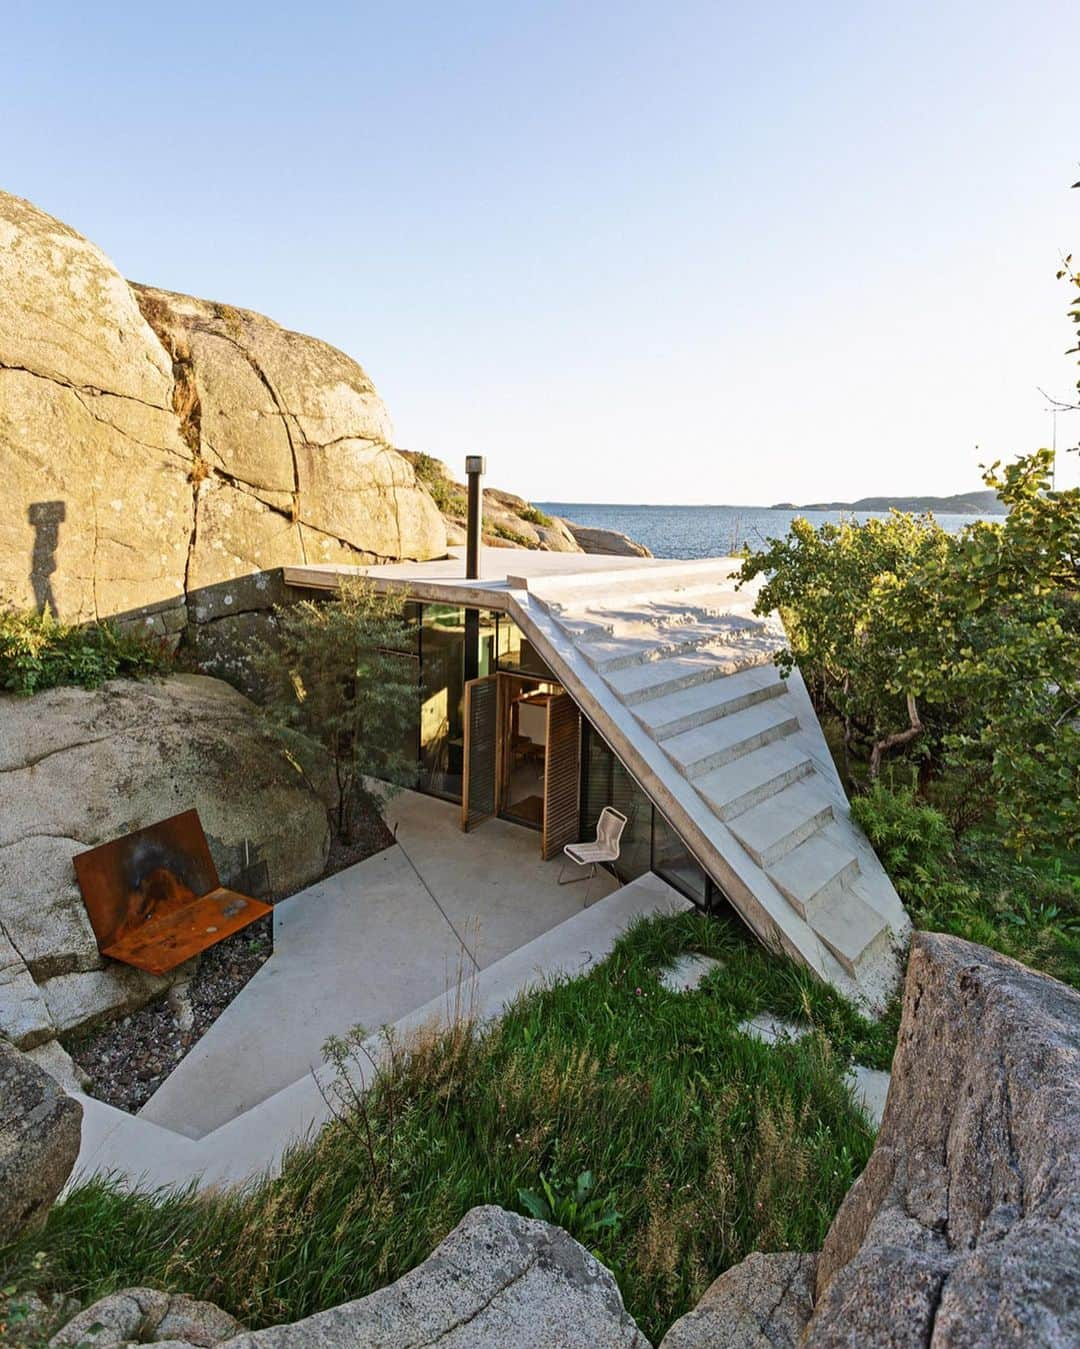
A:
668,1142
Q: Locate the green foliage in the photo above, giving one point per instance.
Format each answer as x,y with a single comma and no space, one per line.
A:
534,516
574,1207
973,886
445,493
341,673
510,535
39,652
626,1098
960,650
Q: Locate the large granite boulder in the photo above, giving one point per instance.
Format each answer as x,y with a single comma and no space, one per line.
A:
497,1281
80,767
605,542
764,1302
157,450
97,514
40,1127
964,1229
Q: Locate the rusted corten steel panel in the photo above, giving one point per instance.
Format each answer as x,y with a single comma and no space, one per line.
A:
154,897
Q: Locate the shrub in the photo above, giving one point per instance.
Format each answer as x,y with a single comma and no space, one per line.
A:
342,673
445,493
534,516
38,651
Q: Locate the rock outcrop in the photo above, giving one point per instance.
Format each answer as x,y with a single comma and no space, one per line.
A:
512,522
157,450
147,1316
608,542
40,1127
964,1229
80,767
764,1302
497,1280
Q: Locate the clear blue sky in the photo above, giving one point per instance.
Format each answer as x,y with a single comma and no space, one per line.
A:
635,252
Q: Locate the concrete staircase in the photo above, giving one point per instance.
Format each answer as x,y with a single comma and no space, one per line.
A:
676,671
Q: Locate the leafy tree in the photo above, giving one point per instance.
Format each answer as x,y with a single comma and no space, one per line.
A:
341,673
961,650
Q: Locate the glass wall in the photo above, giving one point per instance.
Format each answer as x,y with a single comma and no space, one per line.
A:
605,782
672,861
516,654
442,687
648,842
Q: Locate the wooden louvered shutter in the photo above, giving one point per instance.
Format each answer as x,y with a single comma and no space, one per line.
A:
478,794
562,775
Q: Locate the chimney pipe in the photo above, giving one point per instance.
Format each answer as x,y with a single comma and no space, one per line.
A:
475,466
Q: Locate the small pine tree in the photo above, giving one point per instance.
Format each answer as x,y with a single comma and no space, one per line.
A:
342,673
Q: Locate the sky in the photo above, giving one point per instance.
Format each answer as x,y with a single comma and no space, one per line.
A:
655,252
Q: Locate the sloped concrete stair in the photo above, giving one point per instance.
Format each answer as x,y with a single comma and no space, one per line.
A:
683,655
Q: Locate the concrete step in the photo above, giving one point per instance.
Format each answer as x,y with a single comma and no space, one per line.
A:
816,870
618,652
851,928
707,747
635,684
779,824
756,776
686,708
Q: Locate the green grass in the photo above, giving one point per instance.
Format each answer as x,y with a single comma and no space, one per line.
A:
706,1144
39,652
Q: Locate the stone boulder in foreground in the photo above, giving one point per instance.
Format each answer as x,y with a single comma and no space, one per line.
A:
964,1229
79,767
40,1127
498,1280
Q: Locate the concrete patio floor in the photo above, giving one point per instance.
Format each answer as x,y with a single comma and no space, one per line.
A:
366,947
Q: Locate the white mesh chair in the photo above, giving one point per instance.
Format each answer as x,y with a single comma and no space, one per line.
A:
603,851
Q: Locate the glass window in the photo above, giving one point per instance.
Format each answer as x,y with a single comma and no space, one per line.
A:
671,860
516,653
442,684
605,782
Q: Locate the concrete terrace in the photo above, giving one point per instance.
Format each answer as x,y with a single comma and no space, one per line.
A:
673,668
407,937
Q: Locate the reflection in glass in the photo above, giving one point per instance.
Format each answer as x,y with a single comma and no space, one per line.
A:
442,731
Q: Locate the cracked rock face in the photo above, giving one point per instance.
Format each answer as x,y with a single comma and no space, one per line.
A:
40,1128
964,1229
497,1281
155,447
160,747
764,1302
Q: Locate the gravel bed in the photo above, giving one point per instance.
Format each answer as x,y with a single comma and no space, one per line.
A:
128,1059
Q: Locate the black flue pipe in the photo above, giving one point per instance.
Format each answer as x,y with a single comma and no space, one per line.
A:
474,471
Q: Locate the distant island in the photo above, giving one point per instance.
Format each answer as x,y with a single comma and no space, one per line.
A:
984,502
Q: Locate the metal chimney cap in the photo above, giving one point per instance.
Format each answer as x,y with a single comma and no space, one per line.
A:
475,463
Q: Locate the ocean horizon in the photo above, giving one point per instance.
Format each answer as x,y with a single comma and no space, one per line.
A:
692,532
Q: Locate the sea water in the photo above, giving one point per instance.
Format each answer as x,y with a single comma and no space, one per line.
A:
710,531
